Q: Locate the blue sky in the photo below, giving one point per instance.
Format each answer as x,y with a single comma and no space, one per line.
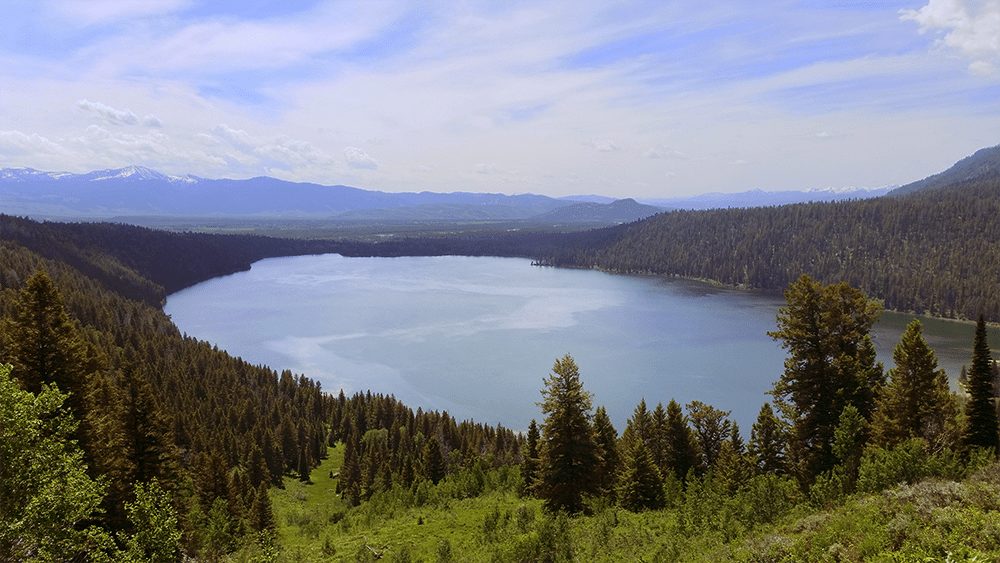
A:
628,99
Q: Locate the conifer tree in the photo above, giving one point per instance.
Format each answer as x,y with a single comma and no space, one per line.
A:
641,485
529,459
916,402
767,442
980,410
262,513
569,453
848,444
43,343
711,428
607,443
830,364
434,467
682,448
657,438
640,426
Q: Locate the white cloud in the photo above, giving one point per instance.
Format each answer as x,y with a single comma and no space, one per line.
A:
603,145
113,116
16,142
109,114
359,159
661,152
971,27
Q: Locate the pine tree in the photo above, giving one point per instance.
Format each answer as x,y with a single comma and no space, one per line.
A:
529,459
607,443
916,402
569,453
711,428
262,514
831,364
682,449
767,442
641,485
434,468
43,343
980,410
849,440
657,438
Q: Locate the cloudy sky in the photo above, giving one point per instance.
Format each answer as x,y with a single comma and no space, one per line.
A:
642,99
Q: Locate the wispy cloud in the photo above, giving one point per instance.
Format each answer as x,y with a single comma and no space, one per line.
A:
553,97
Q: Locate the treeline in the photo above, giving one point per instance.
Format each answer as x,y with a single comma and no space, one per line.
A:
167,428
146,264
838,424
928,252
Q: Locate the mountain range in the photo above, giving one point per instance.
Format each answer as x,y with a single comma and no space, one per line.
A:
136,191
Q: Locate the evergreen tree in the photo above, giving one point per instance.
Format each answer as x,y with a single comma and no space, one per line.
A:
640,426
980,410
657,440
261,513
831,364
916,402
434,467
641,485
607,443
529,459
767,442
849,443
682,448
712,428
569,452
43,343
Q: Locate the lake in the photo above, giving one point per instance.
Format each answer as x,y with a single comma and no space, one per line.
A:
476,336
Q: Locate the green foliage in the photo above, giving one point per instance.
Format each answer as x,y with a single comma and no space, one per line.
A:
47,500
641,485
569,453
712,428
681,445
916,402
767,442
529,459
607,444
830,365
981,430
156,536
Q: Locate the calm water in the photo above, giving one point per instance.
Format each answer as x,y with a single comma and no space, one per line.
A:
476,336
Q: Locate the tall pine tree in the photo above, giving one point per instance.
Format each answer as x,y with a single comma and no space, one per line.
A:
569,453
980,410
831,364
916,402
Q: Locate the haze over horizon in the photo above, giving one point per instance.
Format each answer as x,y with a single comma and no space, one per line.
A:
645,100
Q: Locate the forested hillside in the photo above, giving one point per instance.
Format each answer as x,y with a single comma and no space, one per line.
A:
929,252
164,421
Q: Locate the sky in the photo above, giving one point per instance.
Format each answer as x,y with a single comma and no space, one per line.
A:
644,99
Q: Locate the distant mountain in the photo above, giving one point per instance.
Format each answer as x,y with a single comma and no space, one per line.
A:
619,211
139,191
762,198
589,198
983,164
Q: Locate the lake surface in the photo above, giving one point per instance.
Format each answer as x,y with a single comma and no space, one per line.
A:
476,336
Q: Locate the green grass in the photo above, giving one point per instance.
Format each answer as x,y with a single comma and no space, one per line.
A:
934,520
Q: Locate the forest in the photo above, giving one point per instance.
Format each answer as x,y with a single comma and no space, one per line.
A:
130,441
124,439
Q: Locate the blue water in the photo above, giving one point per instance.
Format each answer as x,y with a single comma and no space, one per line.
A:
476,336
